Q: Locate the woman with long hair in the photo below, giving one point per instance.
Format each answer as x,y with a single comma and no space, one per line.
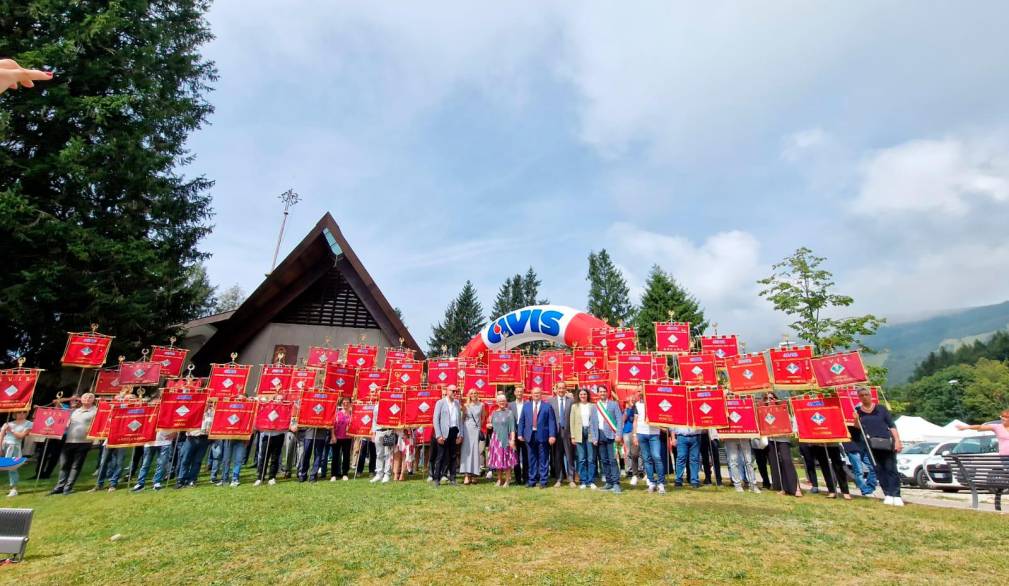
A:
469,459
585,436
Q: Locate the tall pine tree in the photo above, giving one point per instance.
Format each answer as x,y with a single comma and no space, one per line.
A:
517,292
97,223
609,297
663,295
463,318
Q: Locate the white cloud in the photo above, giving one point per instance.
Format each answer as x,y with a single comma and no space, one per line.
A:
798,144
946,176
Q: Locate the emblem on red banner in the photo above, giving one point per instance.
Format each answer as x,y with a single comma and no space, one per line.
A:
233,419
672,337
596,383
181,410
390,408
274,416
50,422
131,425
707,407
17,386
362,419
186,384
302,379
340,377
721,347
319,357
86,350
107,382
318,409
843,368
443,371
476,377
418,407
504,368
407,374
819,419
697,368
139,373
742,416
634,369
748,373
539,375
773,419
393,356
361,356
620,340
370,382
666,404
274,379
170,358
228,380
588,359
791,368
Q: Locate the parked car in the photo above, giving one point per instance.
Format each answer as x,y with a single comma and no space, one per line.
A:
911,461
938,472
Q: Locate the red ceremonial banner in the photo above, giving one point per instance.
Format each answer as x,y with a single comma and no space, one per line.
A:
184,384
707,407
568,374
672,337
660,367
819,419
418,407
107,382
371,381
542,376
50,422
504,368
100,424
791,368
274,416
748,373
666,404
621,340
228,380
396,355
478,378
589,359
302,379
849,401
390,408
274,379
407,374
340,378
597,337
721,346
362,356
132,425
86,350
774,419
697,368
233,419
843,368
594,382
139,373
319,357
553,357
361,420
181,410
444,371
318,409
170,358
634,369
742,415
17,385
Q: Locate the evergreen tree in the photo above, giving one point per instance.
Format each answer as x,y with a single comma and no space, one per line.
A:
230,299
663,295
463,318
516,292
97,223
609,297
531,289
503,302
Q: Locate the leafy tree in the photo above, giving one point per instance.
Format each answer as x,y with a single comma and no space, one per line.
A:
463,318
97,224
609,297
994,348
230,299
987,394
664,295
800,288
938,397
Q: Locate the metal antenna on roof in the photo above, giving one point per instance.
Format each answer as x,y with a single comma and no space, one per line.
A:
289,198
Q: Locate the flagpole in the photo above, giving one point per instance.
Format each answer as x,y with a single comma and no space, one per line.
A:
289,198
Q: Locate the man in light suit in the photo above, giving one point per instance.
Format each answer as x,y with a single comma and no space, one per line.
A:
448,432
521,469
538,428
562,452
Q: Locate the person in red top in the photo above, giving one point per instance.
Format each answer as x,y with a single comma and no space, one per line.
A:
340,442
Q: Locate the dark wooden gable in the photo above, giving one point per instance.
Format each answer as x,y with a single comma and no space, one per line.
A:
330,301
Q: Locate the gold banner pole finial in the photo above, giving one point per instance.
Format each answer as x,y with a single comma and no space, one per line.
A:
189,371
171,342
671,314
122,359
21,361
94,328
144,354
234,356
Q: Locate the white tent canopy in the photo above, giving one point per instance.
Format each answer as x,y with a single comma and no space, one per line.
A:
919,429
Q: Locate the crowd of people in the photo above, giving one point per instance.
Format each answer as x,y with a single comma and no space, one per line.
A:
528,441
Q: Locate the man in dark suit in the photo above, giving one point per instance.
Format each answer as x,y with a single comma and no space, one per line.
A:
538,428
562,452
522,461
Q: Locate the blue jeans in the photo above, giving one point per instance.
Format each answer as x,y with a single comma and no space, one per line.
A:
192,456
160,469
608,460
111,466
586,453
688,448
230,454
861,464
651,452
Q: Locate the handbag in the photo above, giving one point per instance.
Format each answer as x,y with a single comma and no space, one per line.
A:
389,440
881,443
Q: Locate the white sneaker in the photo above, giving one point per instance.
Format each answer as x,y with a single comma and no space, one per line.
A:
257,482
898,502
234,483
651,487
272,481
385,479
490,474
332,478
375,479
662,489
13,492
345,478
888,500
755,489
634,481
581,487
592,486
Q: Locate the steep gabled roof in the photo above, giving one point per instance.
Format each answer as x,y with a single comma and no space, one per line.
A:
322,250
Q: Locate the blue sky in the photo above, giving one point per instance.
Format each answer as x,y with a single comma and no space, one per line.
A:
457,141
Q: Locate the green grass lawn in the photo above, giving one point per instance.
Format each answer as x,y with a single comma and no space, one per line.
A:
409,532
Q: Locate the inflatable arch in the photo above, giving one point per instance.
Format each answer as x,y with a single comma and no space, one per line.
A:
551,323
